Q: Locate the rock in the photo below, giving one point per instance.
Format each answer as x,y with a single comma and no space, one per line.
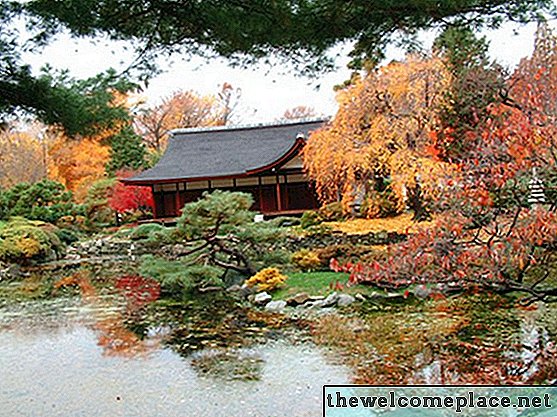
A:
321,302
359,297
307,304
246,291
421,291
374,295
298,299
331,300
262,298
345,300
4,271
209,289
234,288
317,304
394,296
275,306
10,271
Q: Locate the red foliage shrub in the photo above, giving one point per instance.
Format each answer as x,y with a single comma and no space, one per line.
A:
126,198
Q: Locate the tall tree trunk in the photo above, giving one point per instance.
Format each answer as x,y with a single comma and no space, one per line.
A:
417,205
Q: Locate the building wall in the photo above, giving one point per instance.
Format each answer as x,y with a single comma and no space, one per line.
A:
282,192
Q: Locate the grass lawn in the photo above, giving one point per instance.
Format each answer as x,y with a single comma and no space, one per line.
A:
313,283
399,224
317,283
320,283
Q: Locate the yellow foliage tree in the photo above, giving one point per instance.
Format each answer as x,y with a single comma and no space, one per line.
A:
77,164
380,137
21,157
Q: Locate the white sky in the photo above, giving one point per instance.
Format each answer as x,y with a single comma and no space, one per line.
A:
266,91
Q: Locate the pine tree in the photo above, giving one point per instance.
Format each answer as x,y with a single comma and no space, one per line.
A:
127,151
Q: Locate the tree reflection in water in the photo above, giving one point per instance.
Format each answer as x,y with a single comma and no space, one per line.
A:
111,321
472,339
211,330
215,321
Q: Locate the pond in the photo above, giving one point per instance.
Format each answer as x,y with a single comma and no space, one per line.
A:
82,345
88,350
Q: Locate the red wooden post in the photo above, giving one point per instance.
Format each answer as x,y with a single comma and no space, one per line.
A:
177,201
260,191
155,213
279,197
286,199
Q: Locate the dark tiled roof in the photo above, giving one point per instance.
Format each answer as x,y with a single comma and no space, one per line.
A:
224,151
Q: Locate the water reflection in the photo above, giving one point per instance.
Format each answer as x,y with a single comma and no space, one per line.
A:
110,318
535,351
133,353
474,339
102,348
228,364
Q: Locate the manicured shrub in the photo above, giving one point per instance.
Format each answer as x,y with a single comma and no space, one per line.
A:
204,275
267,279
343,253
221,225
310,218
168,273
273,258
22,240
67,236
153,232
224,240
306,260
74,223
96,204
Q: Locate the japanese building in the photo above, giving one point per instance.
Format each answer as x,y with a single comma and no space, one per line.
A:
263,160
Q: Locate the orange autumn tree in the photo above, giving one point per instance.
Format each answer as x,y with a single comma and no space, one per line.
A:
490,234
182,109
299,113
532,102
33,152
77,162
376,150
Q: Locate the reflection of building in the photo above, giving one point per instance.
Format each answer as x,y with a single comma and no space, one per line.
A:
263,160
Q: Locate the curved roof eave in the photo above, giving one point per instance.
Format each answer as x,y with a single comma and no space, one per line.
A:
234,152
290,154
